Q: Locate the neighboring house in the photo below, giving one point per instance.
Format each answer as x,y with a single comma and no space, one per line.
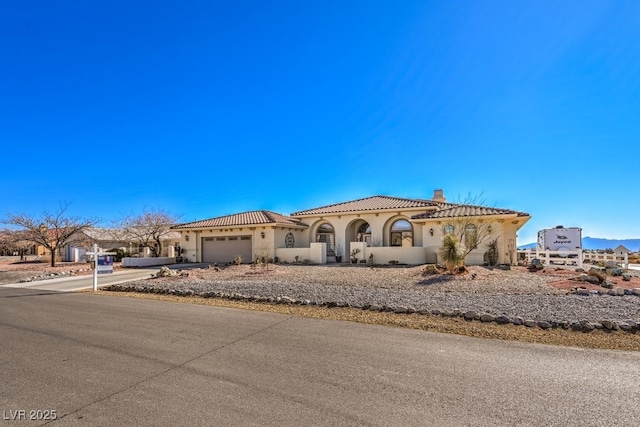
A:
408,231
81,243
621,251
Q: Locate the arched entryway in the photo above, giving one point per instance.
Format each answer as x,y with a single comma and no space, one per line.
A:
326,234
363,233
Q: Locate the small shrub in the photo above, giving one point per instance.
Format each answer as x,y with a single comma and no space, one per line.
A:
119,254
492,253
237,260
450,253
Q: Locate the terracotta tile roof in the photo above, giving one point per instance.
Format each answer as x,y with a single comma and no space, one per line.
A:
243,219
369,204
450,210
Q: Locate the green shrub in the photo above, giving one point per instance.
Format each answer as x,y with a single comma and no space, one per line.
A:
450,253
119,254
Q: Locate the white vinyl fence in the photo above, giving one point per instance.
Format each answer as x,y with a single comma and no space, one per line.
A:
618,258
573,257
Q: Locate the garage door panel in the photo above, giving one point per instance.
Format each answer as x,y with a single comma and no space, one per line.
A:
222,250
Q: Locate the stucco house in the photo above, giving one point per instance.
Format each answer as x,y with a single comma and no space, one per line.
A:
407,231
76,248
621,251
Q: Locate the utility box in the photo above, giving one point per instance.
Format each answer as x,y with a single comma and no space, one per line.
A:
560,239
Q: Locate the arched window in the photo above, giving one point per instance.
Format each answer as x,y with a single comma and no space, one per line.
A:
471,236
401,233
449,229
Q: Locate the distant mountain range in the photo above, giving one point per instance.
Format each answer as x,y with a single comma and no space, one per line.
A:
598,243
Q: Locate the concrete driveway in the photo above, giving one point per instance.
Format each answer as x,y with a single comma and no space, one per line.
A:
108,360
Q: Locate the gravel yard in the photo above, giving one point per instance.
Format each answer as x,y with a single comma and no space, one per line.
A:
516,293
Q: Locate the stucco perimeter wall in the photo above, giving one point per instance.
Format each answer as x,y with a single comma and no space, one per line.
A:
316,254
384,254
147,262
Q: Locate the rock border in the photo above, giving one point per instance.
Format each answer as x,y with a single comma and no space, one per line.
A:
629,325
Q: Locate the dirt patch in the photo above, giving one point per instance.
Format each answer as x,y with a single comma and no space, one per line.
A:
567,280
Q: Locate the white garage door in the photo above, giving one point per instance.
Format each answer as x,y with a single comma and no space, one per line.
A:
223,250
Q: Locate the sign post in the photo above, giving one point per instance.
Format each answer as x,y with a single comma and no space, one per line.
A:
102,264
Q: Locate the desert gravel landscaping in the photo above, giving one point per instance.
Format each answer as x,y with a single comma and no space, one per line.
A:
535,307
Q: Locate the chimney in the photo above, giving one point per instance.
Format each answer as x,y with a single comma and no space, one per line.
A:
438,196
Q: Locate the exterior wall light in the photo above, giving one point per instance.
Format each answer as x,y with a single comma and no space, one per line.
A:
262,234
431,231
186,237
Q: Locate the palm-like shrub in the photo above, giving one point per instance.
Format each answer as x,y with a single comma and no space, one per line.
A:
450,253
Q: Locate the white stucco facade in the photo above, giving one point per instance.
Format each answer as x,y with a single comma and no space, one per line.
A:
383,229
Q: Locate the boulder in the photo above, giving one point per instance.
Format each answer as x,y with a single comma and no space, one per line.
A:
609,325
469,315
587,326
502,319
544,324
615,271
487,318
624,326
597,273
165,272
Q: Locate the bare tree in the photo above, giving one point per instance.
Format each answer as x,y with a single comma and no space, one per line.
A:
19,241
7,246
471,231
147,229
53,231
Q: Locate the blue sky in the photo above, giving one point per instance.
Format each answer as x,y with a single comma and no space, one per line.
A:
206,108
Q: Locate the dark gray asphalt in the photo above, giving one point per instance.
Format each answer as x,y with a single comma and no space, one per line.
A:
104,361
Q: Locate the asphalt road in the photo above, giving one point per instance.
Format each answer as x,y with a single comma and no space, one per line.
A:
103,361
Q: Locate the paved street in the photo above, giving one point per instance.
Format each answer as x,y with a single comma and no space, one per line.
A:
102,360
76,283
66,284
